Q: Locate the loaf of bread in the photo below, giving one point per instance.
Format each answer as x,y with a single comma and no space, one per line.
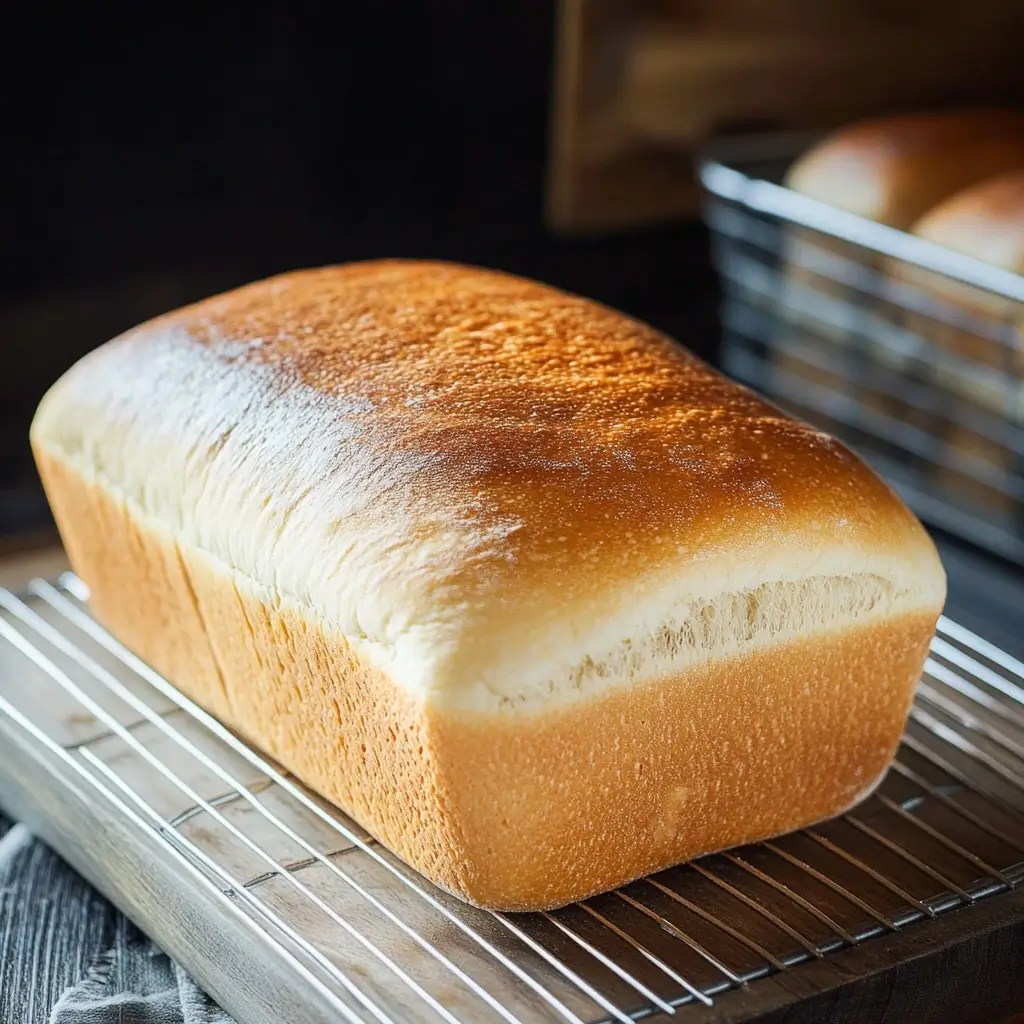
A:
890,170
894,169
985,222
983,417
534,595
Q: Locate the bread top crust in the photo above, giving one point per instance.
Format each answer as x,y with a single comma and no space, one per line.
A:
985,221
894,169
481,482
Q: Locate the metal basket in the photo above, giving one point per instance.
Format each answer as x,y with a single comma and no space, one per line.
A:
911,353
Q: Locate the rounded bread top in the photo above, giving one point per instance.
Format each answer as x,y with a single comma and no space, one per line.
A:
894,169
984,221
429,451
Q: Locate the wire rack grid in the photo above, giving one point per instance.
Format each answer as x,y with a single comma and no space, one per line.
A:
360,937
910,352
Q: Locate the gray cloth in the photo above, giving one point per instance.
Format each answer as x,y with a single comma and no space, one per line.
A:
67,957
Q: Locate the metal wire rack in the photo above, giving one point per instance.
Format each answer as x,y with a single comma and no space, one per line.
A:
911,353
263,873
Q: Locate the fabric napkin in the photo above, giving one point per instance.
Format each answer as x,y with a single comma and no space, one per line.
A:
68,957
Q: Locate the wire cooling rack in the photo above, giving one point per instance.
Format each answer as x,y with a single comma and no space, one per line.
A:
289,912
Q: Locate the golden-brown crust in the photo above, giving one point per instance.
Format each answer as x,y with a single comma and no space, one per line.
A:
512,812
453,466
894,169
559,410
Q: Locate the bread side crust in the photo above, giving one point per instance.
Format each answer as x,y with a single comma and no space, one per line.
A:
639,781
509,812
300,695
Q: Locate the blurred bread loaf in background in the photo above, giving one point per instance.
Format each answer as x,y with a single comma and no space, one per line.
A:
986,223
976,339
893,171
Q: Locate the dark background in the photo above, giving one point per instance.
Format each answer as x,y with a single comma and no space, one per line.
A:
153,154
